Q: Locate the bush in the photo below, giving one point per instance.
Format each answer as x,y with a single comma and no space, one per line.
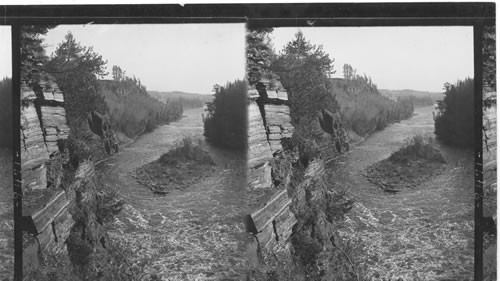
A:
454,122
408,167
418,148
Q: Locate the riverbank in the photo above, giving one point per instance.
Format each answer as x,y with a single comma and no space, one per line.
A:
185,235
424,233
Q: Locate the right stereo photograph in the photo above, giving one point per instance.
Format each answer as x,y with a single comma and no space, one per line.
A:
361,153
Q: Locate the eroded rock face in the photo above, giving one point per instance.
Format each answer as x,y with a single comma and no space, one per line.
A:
269,124
293,217
51,205
100,125
334,139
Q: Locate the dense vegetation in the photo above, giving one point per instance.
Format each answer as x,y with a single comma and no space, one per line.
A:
409,167
304,70
259,54
76,70
179,168
454,122
364,109
6,112
132,110
225,124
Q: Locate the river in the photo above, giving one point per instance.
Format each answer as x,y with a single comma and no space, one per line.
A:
195,234
426,233
6,216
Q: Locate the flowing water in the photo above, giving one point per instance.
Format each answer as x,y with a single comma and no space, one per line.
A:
194,234
6,216
424,233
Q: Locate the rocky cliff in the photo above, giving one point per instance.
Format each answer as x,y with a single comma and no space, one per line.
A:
59,197
293,209
490,159
269,124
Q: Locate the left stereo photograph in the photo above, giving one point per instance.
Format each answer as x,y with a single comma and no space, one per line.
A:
133,154
6,158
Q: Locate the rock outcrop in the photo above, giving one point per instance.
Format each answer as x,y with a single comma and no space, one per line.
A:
269,124
292,221
490,160
53,191
334,139
100,125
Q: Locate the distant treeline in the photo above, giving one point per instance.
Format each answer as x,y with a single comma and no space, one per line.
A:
225,124
454,122
188,100
418,98
418,101
364,109
6,112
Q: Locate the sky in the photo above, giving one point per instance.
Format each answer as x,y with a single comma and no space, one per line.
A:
165,57
5,52
417,58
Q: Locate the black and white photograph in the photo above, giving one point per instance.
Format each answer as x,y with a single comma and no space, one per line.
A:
134,155
6,167
361,153
256,142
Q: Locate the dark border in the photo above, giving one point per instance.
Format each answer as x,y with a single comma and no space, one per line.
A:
257,15
16,145
292,14
478,151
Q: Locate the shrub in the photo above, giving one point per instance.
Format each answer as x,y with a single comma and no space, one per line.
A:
418,148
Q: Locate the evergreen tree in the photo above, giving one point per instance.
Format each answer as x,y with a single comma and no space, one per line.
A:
32,55
454,123
259,54
304,70
76,69
226,122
